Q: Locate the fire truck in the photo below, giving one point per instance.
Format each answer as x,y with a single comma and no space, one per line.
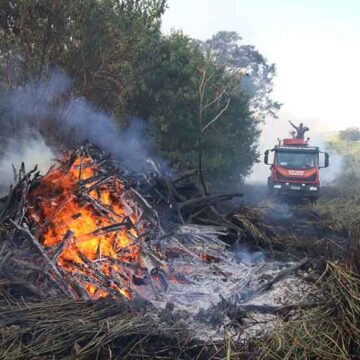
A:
295,169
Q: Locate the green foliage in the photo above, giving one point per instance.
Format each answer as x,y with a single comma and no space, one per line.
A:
225,49
345,145
103,45
120,61
227,144
350,134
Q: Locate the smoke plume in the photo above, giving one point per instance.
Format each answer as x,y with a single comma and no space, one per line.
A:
32,151
44,112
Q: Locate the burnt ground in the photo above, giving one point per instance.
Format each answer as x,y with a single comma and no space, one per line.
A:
265,274
296,225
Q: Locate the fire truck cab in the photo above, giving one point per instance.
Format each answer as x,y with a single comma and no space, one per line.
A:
295,169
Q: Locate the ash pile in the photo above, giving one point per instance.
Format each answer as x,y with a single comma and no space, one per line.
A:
90,230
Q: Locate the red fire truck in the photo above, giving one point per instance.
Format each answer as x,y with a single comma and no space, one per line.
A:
295,169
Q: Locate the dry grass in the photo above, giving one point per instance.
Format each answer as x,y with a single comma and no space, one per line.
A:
64,329
280,235
249,219
341,213
329,331
68,329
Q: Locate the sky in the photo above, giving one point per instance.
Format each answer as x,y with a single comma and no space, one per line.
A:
314,43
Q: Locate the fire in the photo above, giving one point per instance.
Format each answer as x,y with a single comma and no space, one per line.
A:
87,221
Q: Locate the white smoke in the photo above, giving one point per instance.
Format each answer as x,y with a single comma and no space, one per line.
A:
31,150
337,161
72,119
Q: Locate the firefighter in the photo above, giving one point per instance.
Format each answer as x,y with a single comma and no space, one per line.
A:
300,130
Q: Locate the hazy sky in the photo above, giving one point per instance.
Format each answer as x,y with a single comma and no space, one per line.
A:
315,44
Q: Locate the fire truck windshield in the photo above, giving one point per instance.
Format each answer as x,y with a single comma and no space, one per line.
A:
297,160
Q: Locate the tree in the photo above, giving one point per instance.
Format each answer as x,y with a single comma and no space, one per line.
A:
191,94
207,131
225,49
103,45
221,101
350,134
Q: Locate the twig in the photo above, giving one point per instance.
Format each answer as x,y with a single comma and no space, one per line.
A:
63,244
46,258
277,278
184,175
146,203
207,200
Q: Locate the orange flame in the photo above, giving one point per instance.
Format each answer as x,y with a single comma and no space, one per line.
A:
89,227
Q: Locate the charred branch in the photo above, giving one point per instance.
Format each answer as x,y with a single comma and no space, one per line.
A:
48,261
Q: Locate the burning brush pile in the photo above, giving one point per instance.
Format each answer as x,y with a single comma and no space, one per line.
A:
94,232
86,225
90,230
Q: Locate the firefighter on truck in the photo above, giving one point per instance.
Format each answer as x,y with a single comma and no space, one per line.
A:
300,130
